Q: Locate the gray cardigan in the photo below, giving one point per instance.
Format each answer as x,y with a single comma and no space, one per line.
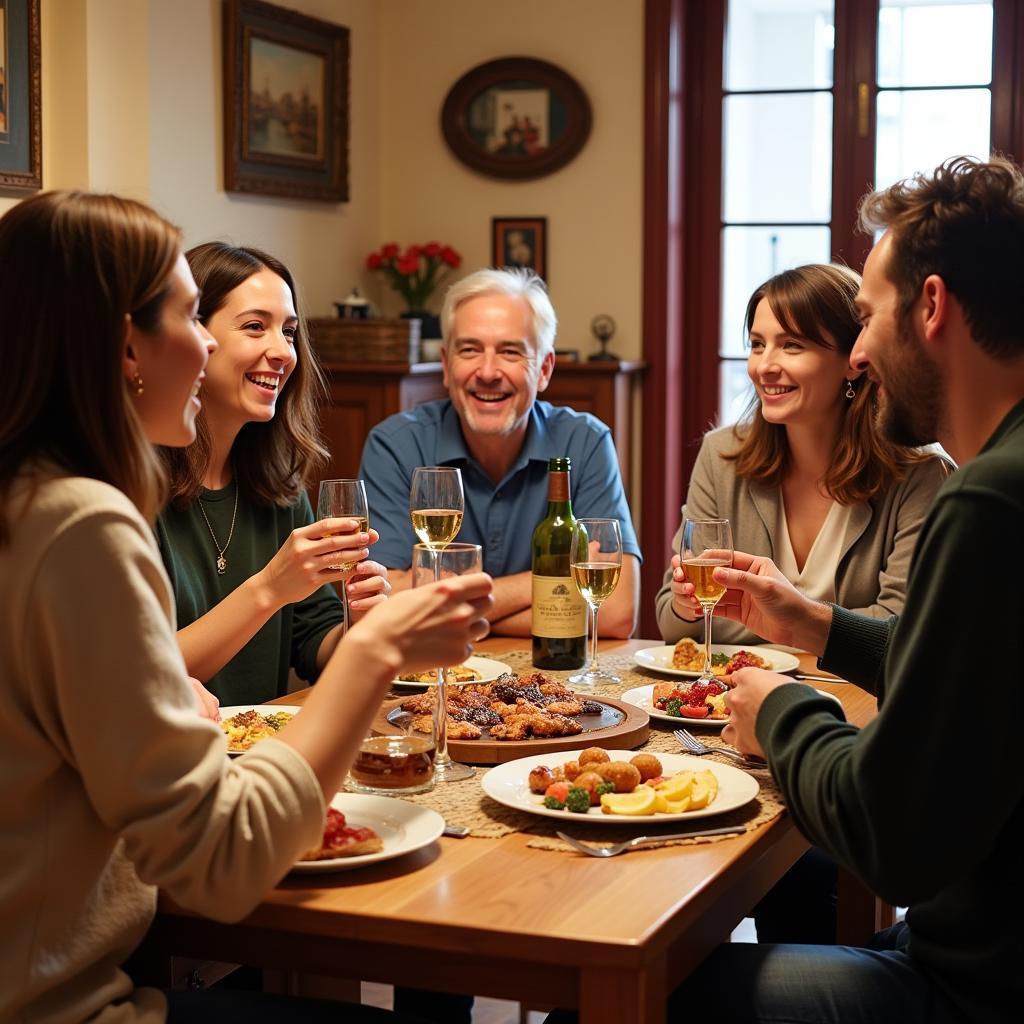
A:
871,577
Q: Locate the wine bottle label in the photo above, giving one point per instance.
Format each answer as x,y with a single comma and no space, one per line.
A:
559,611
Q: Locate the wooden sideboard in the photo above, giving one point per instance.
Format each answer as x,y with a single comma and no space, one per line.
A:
363,394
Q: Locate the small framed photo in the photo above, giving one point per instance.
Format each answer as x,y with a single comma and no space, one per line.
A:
286,89
21,130
520,242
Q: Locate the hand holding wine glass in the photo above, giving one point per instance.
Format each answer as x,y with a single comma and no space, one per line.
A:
595,560
344,498
429,564
705,545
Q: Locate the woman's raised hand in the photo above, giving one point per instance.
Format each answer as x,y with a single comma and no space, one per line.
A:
367,587
311,557
432,625
684,603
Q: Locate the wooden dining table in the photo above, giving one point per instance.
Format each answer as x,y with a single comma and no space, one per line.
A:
610,937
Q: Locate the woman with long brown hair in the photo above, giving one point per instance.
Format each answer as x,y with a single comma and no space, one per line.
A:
805,478
114,784
249,566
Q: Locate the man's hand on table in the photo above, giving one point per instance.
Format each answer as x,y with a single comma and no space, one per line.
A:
750,686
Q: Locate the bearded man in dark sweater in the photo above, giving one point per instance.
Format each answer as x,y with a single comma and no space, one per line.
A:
926,820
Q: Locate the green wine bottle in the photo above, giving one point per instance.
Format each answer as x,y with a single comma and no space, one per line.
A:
559,613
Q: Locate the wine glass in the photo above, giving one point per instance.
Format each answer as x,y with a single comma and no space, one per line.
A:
436,504
595,561
429,564
706,544
344,499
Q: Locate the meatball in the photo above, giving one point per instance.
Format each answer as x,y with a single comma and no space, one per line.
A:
571,769
540,778
594,755
589,781
623,776
647,765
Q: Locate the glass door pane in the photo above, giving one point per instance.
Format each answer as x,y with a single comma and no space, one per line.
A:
772,45
750,255
934,42
918,130
777,158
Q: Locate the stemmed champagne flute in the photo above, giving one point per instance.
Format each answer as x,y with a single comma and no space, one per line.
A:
436,504
428,564
705,545
344,499
595,560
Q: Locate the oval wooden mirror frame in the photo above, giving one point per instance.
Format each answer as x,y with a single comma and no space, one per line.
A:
516,71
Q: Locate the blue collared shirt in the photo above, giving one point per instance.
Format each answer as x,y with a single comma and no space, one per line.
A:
499,517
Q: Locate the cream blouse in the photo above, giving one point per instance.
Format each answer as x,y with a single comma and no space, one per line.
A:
817,579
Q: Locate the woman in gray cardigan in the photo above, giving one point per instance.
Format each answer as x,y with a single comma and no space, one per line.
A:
805,479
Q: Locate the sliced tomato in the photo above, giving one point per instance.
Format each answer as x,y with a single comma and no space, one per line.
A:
694,711
559,790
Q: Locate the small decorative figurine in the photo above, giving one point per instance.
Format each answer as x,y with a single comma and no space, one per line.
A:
603,327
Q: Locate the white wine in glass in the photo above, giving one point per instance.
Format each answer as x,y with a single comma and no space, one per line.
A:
341,499
436,527
595,561
705,545
436,505
429,564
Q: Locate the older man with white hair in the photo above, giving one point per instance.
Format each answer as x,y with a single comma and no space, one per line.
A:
499,333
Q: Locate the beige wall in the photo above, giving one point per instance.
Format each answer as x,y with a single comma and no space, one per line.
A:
593,205
132,103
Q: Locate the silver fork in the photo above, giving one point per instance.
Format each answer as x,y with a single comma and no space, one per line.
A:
631,844
694,746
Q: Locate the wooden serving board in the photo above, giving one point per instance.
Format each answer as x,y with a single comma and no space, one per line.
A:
619,725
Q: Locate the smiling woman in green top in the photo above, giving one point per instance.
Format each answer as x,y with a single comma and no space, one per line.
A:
247,561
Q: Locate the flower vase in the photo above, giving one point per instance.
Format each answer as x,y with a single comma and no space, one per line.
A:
430,323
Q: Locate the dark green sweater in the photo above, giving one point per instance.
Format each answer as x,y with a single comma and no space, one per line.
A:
292,637
923,821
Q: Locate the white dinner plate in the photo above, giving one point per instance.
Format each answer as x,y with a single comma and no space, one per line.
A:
403,826
643,698
659,659
263,709
509,784
488,668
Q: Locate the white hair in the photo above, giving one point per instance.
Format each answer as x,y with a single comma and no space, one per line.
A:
517,282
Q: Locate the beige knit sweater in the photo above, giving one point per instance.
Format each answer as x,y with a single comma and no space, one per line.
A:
111,783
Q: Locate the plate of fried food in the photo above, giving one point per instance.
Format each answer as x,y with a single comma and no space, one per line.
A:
246,724
500,721
619,787
363,829
686,658
472,670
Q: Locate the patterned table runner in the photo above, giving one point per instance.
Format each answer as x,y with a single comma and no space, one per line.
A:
463,803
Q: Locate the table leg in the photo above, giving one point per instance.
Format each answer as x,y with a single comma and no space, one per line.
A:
610,996
859,912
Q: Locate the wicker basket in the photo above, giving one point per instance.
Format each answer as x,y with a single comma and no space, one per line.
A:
366,341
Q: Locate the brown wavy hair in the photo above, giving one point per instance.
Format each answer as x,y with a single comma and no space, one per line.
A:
273,461
75,265
815,304
965,223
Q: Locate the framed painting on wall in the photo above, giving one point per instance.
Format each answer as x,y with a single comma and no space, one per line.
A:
286,93
516,118
21,162
520,242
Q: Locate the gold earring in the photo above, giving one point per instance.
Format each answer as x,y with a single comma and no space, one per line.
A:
136,383
850,393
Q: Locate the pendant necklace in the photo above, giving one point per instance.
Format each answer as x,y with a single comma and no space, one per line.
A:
222,564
